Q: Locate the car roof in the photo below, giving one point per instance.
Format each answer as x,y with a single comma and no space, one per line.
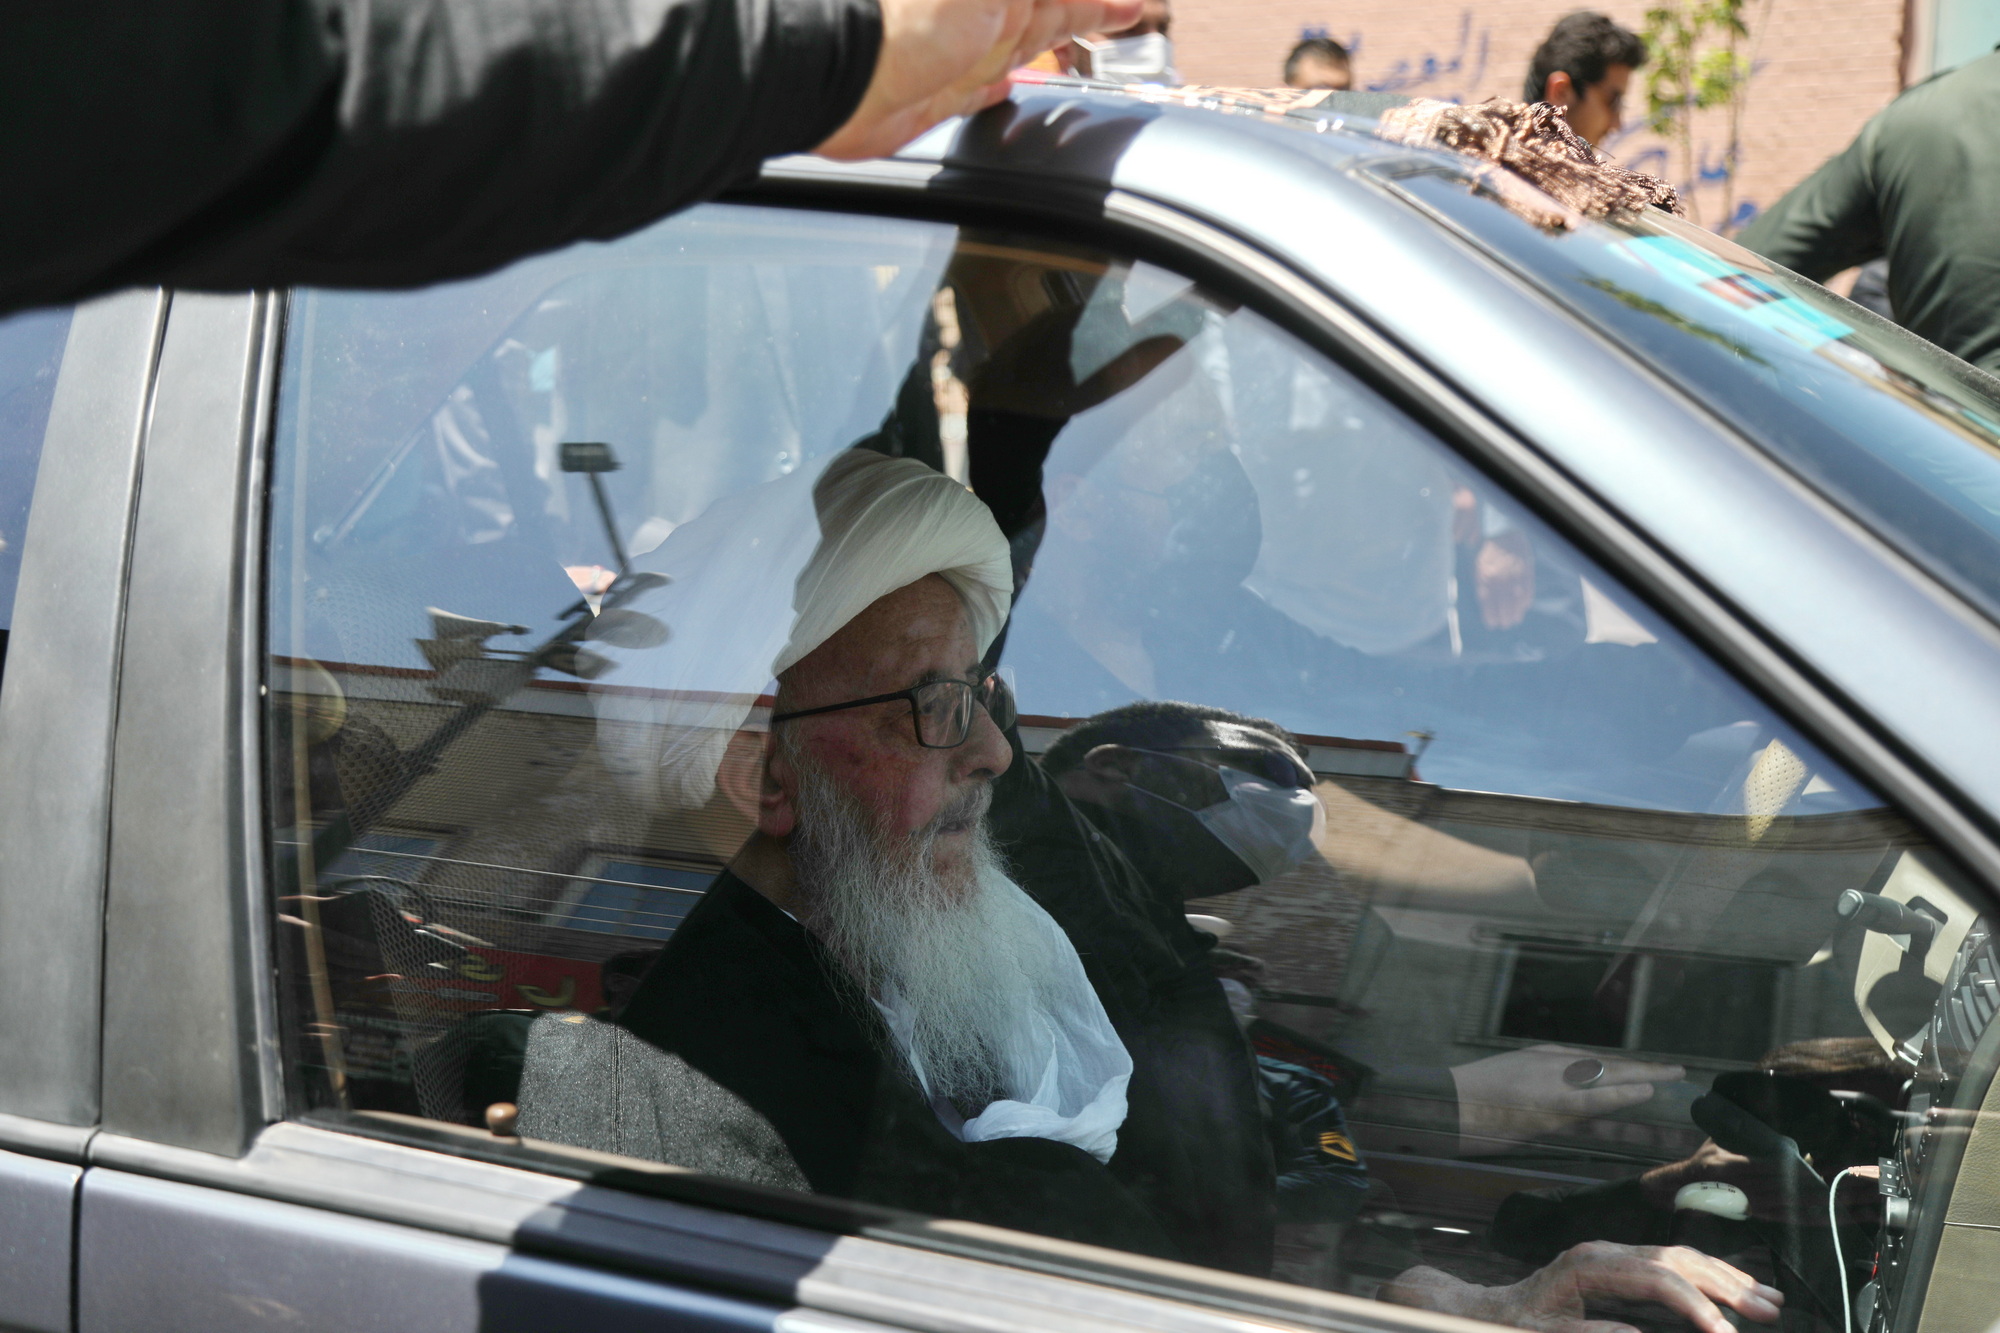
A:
1083,132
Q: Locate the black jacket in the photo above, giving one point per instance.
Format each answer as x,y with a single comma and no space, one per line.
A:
744,995
244,143
1194,1147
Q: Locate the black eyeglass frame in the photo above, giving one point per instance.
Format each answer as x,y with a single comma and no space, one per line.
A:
990,694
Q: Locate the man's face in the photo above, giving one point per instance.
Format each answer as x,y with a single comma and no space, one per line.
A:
1597,110
1157,16
1312,72
913,635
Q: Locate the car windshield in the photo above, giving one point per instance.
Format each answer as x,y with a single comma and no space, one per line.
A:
1901,434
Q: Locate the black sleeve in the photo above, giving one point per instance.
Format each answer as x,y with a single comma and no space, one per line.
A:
1131,942
241,143
1535,1226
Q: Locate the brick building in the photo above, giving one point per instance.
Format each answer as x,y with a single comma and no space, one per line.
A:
1823,67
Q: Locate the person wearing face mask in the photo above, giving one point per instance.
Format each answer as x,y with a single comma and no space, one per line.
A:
1204,801
1142,53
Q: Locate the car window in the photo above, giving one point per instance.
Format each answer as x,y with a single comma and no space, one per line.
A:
1903,434
990,728
31,349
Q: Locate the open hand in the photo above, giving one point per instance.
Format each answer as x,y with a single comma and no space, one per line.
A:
945,58
1522,1094
1032,372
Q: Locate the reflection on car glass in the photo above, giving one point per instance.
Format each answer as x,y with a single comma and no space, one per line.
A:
31,353
1903,435
1316,867
1751,298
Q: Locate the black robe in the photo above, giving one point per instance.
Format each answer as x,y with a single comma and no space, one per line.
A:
745,995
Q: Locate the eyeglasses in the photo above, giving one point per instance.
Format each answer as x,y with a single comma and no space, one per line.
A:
942,709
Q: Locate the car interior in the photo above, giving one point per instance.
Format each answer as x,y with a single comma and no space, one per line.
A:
1579,908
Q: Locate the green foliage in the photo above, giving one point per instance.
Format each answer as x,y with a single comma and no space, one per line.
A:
1693,60
1694,63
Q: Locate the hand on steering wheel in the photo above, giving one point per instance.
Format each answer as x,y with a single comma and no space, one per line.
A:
1788,1203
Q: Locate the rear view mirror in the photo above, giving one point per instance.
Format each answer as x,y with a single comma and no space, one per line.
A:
588,456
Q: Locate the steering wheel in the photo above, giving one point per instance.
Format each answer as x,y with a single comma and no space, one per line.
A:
1748,1113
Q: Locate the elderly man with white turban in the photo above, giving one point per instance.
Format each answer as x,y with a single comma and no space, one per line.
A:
863,1002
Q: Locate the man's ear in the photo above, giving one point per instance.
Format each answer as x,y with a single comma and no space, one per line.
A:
1560,90
777,791
740,775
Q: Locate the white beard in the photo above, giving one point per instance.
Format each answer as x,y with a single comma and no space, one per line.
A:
960,958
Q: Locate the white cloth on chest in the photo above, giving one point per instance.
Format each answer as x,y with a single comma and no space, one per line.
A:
1066,1070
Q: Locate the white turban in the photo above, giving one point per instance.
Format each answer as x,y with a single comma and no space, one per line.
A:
765,576
884,523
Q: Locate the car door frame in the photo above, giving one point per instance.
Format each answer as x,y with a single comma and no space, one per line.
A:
58,710
191,1089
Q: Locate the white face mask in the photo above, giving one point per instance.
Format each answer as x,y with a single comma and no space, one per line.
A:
1269,828
1146,58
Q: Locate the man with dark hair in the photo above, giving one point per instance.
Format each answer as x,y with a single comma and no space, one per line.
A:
1584,68
1319,62
1157,724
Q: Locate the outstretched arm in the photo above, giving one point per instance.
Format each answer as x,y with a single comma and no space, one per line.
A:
241,143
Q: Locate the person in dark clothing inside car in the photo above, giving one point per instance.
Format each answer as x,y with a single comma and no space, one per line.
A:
864,978
235,144
1206,801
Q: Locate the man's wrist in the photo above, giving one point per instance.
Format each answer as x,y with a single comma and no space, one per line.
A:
1661,1183
1434,1289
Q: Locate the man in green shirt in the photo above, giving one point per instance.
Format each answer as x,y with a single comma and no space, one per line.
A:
1920,185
